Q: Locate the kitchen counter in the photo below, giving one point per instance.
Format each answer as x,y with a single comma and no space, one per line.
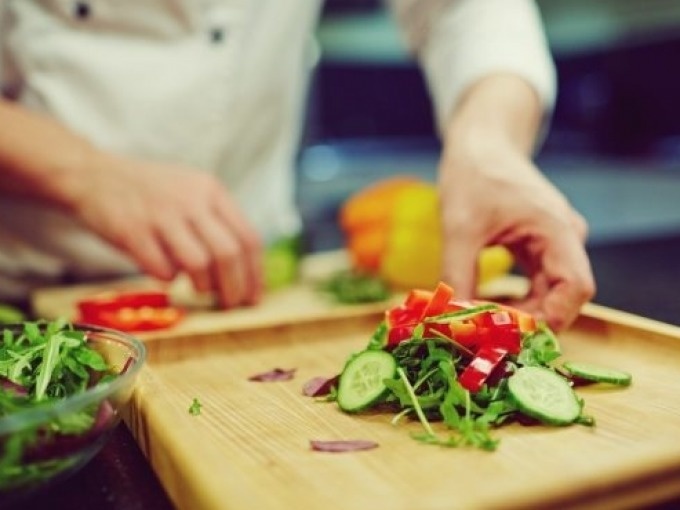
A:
639,277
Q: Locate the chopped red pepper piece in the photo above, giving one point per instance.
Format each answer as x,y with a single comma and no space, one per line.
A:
501,327
401,320
465,333
498,328
398,334
480,368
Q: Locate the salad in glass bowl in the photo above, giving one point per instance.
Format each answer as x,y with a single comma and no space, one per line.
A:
62,388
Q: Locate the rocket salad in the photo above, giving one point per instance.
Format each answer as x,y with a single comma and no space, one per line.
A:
472,365
41,363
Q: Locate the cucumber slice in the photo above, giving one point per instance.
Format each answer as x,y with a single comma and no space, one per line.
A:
542,394
597,373
362,381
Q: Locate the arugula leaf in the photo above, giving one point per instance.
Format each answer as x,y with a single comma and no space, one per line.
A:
378,339
428,387
539,348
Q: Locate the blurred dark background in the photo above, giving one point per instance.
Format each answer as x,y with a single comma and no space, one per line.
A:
613,147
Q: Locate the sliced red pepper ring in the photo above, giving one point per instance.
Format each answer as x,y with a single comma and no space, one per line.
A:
487,358
116,300
145,318
130,311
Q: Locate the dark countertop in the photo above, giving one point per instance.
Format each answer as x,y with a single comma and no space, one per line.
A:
635,276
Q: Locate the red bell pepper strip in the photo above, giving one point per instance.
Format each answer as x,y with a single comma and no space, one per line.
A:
417,300
487,358
439,301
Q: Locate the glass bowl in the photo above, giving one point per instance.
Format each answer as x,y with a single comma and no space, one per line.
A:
32,455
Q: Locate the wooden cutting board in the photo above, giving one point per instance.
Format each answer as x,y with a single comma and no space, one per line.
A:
249,447
296,302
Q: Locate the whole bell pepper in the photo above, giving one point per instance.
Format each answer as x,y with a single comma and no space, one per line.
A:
393,229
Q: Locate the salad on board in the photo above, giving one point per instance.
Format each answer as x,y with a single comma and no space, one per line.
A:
472,365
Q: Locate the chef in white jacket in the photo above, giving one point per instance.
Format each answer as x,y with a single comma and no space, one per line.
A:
159,136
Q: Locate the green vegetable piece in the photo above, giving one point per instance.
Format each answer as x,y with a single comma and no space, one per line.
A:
542,394
10,314
597,373
362,382
195,407
462,315
351,287
281,262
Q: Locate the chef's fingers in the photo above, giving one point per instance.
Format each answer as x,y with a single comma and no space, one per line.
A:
568,281
229,262
148,253
573,286
580,225
187,251
250,244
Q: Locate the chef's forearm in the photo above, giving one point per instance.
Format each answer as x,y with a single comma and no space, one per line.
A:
500,111
40,158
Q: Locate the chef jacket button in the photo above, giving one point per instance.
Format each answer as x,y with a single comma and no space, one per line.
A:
217,35
82,10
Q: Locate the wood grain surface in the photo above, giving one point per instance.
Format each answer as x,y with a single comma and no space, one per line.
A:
249,447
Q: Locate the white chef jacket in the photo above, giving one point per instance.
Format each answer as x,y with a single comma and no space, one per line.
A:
215,84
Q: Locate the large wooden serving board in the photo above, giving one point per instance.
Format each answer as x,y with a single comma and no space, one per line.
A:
249,447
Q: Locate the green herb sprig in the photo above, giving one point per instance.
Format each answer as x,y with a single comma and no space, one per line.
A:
195,407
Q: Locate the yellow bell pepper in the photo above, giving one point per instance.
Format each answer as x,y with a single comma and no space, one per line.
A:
393,229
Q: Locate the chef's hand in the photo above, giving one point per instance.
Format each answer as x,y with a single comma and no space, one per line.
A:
491,193
167,218
171,219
